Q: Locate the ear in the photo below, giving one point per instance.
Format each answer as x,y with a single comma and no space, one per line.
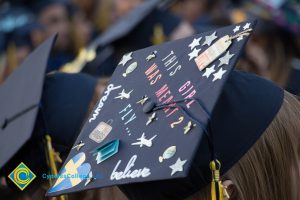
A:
230,189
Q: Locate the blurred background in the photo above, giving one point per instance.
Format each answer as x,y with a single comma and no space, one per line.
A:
273,51
94,34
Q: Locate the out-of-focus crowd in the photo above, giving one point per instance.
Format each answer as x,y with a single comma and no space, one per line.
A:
273,52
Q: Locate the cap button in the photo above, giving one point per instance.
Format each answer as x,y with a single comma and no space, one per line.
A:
148,106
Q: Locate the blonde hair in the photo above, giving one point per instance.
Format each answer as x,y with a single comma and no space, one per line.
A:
271,168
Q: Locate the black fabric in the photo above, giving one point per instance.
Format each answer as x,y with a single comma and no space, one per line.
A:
293,84
65,101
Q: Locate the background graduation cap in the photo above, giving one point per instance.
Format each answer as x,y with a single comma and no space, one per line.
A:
92,57
15,26
284,13
20,100
159,124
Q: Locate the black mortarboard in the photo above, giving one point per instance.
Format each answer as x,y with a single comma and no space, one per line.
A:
20,98
169,112
65,103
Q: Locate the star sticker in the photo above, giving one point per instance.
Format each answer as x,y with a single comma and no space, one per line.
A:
239,38
151,118
209,39
178,166
236,29
143,100
225,59
209,71
194,53
247,25
125,59
196,42
219,74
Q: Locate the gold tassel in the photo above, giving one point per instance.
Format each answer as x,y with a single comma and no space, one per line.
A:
52,157
158,35
75,66
12,61
217,189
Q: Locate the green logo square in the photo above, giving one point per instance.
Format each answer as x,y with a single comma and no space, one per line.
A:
21,176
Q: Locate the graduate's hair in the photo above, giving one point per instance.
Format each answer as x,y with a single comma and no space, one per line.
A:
271,168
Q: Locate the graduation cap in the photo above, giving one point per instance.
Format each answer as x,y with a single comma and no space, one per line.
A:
20,99
88,60
172,119
16,23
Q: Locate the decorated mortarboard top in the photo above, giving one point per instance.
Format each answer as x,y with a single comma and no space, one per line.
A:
154,116
20,96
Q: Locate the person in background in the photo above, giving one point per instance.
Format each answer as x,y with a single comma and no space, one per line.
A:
21,34
192,10
177,28
157,27
271,55
203,15
55,18
274,49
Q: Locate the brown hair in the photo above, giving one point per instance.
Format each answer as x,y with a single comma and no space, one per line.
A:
271,168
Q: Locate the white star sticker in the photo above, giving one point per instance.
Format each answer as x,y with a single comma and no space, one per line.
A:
225,59
194,53
247,25
239,38
196,42
178,166
209,39
209,71
236,29
219,74
125,59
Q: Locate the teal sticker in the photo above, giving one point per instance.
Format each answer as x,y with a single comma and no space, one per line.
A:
106,151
